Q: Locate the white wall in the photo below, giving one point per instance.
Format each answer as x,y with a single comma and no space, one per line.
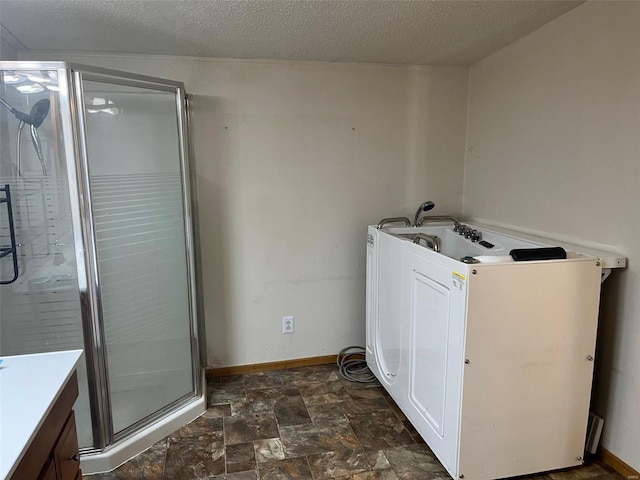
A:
294,160
553,146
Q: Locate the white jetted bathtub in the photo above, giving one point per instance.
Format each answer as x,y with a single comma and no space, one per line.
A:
492,362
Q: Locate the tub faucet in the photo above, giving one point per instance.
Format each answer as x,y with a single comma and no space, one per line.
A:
425,207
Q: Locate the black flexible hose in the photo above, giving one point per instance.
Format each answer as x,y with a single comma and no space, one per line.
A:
353,367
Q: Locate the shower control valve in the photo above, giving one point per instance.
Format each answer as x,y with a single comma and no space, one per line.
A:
476,236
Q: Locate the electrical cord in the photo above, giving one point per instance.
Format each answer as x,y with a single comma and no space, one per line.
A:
353,367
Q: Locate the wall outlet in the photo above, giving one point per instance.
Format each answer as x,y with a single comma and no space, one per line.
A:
288,325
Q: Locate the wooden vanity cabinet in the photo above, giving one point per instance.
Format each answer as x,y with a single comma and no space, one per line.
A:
65,453
53,454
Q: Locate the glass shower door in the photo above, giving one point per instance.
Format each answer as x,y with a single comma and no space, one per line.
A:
135,177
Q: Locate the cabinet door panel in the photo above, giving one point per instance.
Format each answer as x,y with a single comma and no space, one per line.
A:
435,293
66,451
429,348
48,472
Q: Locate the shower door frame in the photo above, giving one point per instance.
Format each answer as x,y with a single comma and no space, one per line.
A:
72,114
103,420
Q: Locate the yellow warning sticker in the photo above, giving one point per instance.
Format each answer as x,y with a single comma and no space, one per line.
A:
459,276
458,280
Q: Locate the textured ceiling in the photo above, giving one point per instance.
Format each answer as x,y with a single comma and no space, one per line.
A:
376,31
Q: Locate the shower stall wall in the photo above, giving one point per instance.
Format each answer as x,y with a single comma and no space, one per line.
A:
97,246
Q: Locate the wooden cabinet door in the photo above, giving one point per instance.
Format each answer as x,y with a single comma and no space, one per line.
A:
66,451
48,472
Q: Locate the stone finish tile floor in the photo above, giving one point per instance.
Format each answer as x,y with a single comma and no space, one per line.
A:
302,423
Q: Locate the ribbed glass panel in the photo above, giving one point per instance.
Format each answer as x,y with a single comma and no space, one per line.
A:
136,222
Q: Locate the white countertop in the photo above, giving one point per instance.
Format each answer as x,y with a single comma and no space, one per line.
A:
29,386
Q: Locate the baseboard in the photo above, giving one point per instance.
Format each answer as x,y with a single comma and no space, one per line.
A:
264,367
618,465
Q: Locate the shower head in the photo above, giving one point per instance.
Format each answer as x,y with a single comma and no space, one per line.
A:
38,112
424,207
35,117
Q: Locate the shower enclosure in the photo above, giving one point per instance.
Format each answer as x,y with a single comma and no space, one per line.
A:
97,246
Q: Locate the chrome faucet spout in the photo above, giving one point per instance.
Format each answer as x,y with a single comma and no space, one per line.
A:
425,207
